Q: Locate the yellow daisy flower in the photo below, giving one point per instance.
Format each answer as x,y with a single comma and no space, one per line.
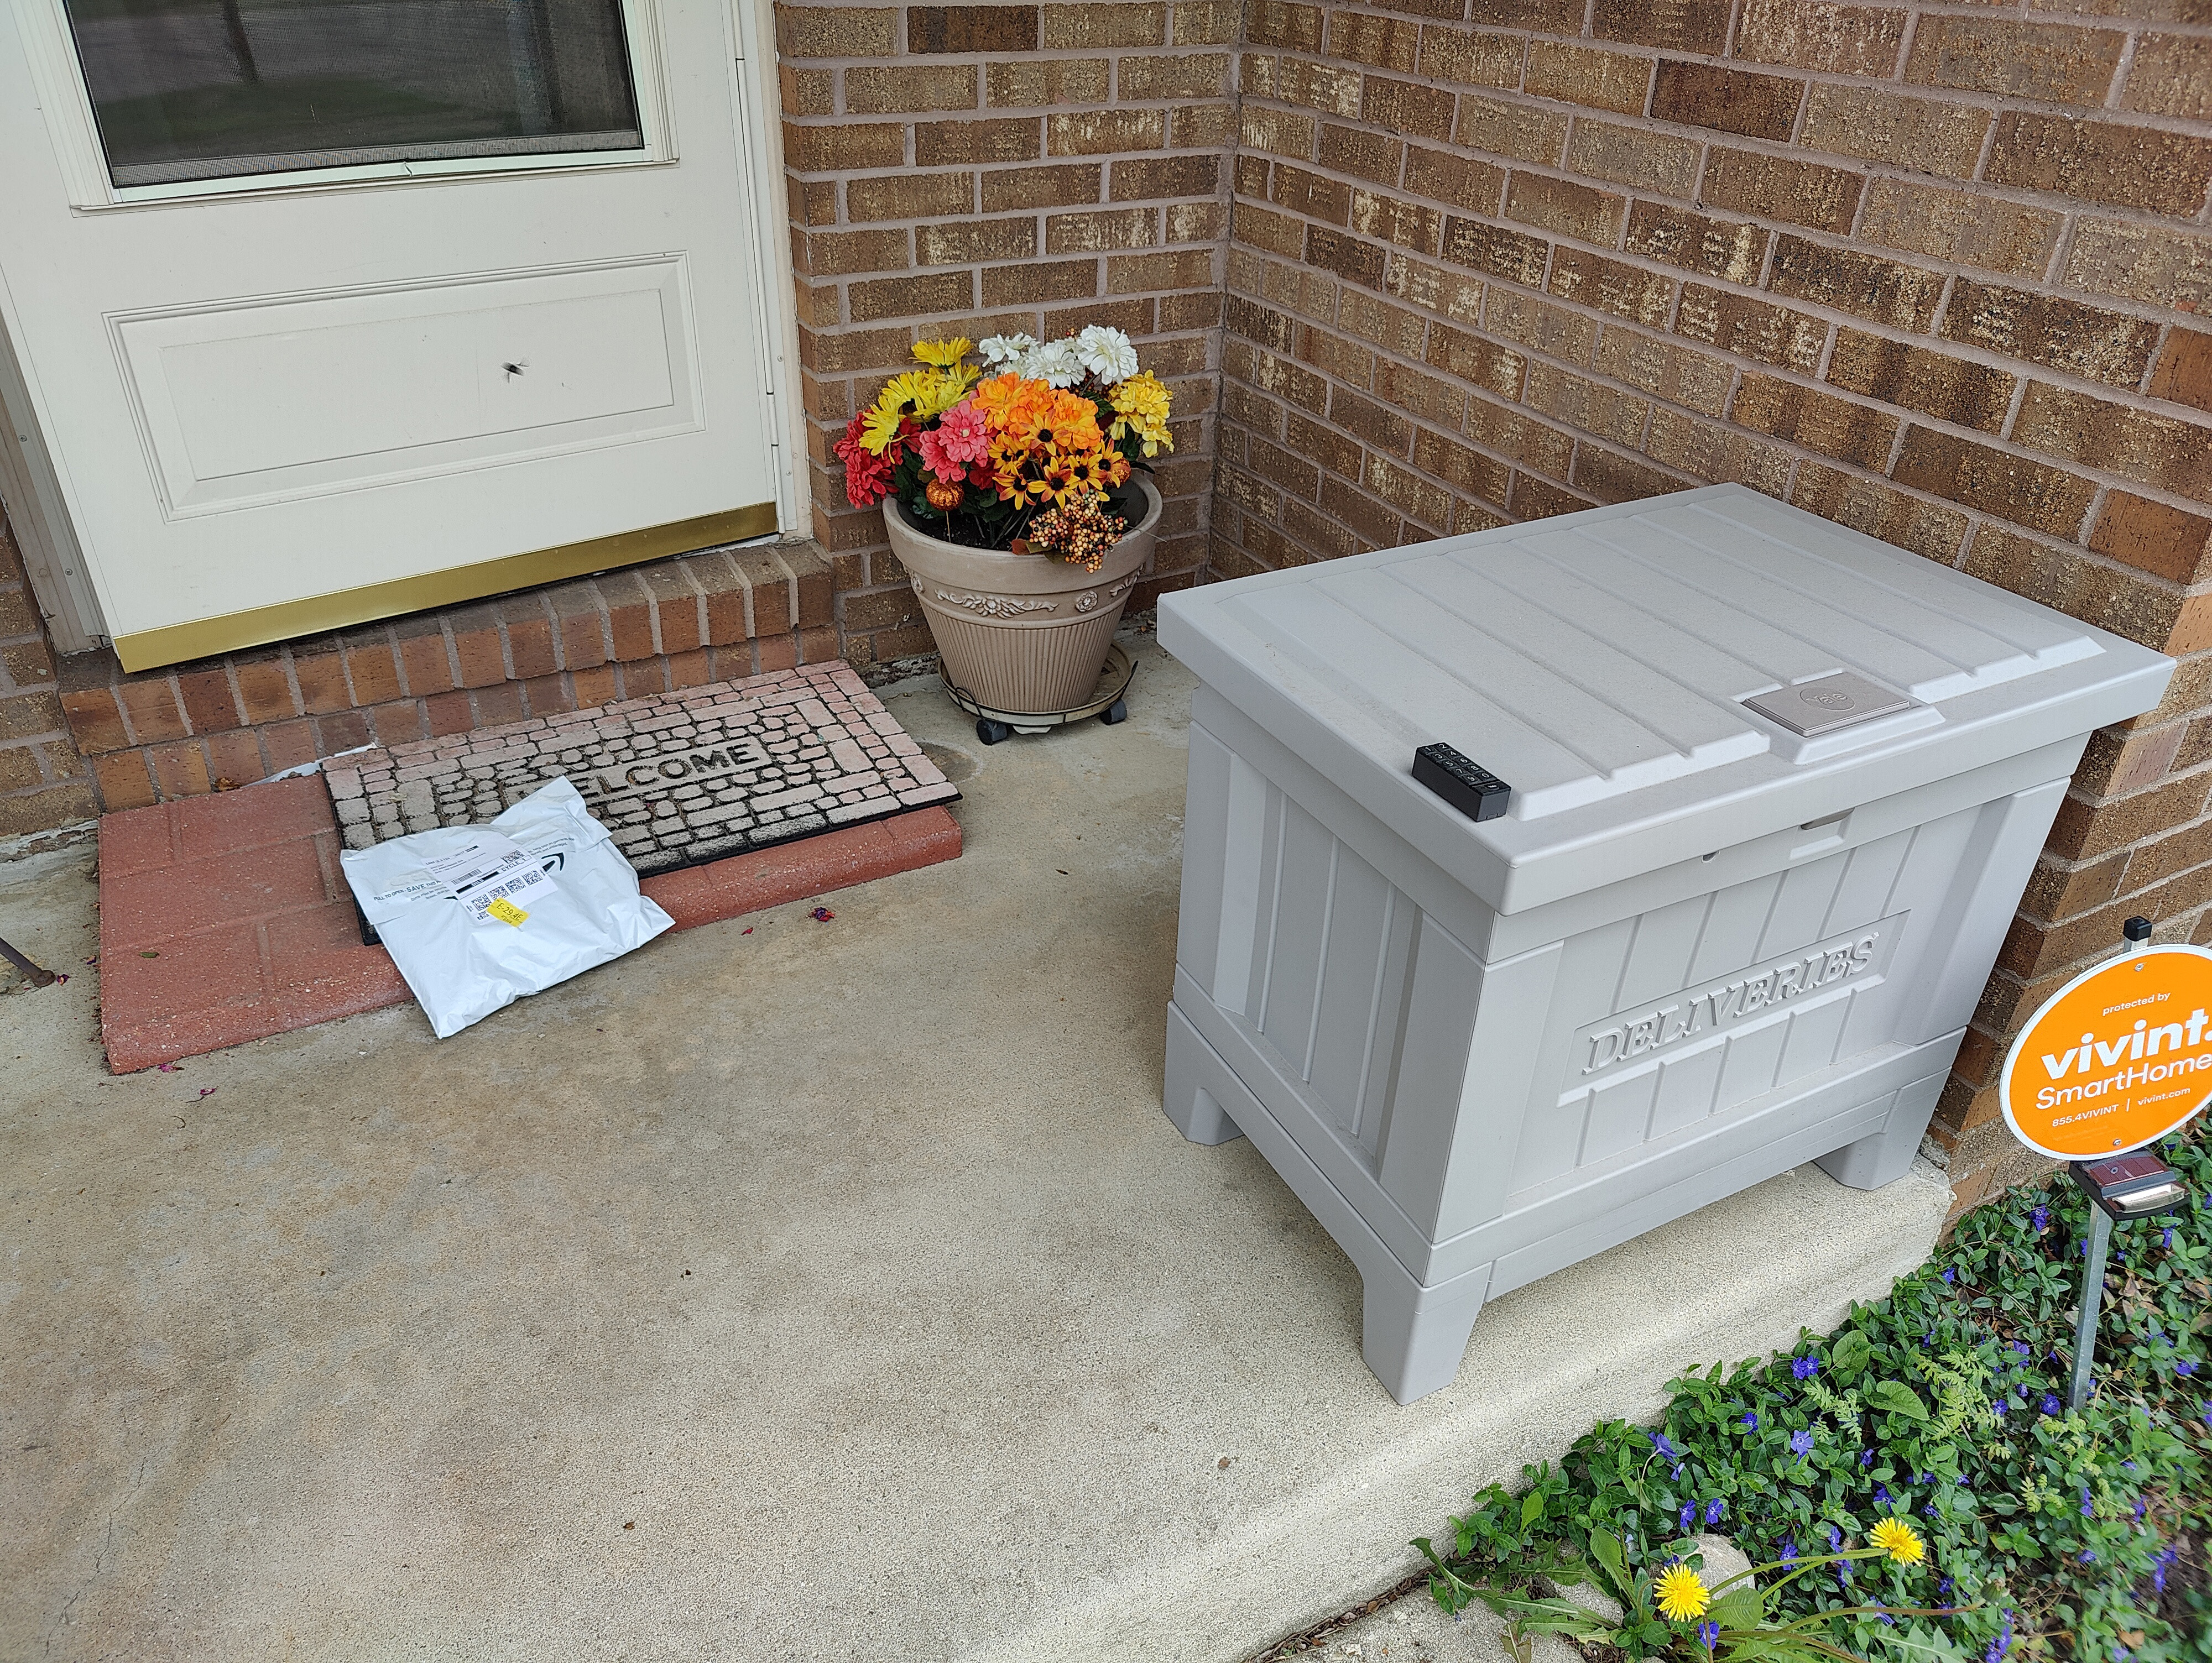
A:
946,355
1899,1540
1681,1594
879,427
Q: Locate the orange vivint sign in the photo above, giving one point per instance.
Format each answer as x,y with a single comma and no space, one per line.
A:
2116,1058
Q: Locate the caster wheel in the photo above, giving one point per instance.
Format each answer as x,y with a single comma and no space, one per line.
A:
1116,713
991,733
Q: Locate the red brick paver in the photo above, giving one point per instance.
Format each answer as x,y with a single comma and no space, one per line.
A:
226,918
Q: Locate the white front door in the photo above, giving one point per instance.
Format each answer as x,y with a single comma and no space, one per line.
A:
328,310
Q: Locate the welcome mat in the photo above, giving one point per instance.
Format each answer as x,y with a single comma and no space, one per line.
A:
678,778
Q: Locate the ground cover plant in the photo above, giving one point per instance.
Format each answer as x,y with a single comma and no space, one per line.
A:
1911,1485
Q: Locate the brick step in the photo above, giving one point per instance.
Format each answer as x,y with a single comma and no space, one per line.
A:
719,614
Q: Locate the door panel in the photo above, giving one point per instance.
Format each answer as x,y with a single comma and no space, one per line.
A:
237,403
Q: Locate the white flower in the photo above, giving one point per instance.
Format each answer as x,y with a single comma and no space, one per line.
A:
1107,354
1001,351
1055,362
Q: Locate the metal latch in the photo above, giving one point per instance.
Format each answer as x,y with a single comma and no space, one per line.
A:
1830,702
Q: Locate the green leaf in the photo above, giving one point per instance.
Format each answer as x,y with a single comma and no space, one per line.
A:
1898,1398
1740,1607
1532,1508
1605,1548
1850,1355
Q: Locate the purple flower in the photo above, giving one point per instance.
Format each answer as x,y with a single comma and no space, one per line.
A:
1887,1618
1789,1555
1800,1443
1660,1444
1709,1634
1882,1495
1714,1509
1751,1421
2088,1555
2088,1507
1842,1573
2020,1348
1866,1457
2142,1508
2051,1403
2165,1236
1804,1367
1999,1407
2184,1367
2161,1564
1950,1276
2003,1644
1689,1515
1835,1540
2041,1219
1943,1586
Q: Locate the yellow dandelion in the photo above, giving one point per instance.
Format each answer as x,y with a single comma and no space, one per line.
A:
946,355
1681,1594
1899,1540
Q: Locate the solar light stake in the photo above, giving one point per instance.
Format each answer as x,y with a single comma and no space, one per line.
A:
2093,1297
2136,936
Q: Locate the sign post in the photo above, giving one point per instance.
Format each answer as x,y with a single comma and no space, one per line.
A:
2115,1060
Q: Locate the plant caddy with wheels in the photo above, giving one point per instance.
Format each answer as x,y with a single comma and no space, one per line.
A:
2116,1059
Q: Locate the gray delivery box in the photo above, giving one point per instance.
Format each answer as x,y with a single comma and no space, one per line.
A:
1775,789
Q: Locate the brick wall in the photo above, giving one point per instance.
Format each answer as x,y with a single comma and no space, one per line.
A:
978,170
1927,270
44,783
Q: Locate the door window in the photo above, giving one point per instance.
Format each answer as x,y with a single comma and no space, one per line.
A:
207,89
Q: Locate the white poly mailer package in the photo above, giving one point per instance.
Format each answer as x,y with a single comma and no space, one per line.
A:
477,917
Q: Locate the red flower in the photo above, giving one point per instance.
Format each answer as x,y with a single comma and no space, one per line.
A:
867,477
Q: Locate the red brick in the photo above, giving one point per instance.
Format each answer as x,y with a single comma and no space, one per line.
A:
397,723
2153,537
1813,34
1565,208
1681,26
1800,192
1726,249
423,661
264,688
95,722
1972,395
1588,76
2146,445
234,758
2184,372
1730,100
2053,63
209,702
124,780
1977,476
2135,166
1834,427
2080,340
180,768
1902,296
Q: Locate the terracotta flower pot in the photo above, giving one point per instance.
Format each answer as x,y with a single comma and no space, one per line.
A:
1023,633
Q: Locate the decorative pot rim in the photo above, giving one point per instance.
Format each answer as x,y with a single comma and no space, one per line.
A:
1155,505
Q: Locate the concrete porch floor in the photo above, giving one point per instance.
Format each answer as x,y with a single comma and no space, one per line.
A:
830,1291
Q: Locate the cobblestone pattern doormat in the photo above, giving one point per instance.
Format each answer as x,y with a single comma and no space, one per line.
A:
678,778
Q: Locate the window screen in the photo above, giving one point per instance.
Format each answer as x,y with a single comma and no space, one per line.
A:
197,89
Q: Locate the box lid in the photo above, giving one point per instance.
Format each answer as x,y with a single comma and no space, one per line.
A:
1654,680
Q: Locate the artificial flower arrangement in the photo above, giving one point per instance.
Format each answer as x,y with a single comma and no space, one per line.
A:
1021,454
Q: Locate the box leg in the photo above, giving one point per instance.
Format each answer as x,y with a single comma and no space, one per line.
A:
1196,1112
1886,1156
1415,1339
